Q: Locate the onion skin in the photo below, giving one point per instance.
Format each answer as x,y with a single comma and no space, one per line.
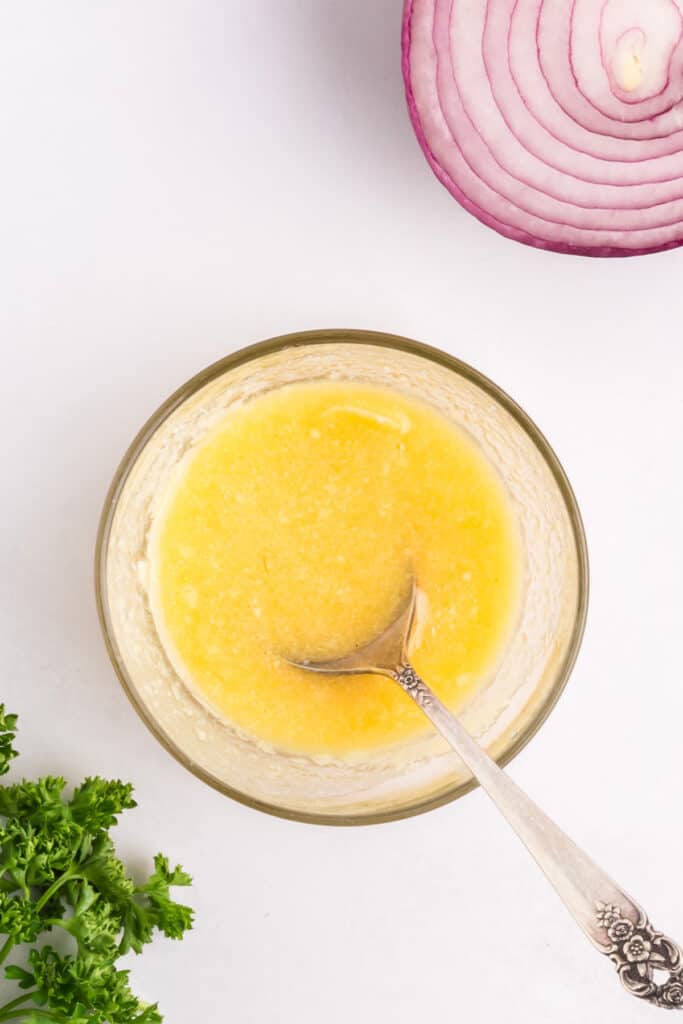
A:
558,123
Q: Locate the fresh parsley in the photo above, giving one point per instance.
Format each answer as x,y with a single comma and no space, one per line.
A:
59,873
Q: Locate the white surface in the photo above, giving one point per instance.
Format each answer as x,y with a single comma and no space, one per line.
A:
181,178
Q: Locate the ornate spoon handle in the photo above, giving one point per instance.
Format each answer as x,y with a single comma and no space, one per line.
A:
613,922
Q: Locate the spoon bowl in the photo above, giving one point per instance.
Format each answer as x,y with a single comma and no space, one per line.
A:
384,655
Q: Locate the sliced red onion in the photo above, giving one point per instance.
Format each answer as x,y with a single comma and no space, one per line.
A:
558,123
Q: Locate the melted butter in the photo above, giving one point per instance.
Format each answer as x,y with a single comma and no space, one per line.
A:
294,530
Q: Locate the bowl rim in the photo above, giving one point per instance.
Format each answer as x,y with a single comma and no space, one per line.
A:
350,336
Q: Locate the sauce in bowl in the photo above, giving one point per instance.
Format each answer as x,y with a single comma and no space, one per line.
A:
295,528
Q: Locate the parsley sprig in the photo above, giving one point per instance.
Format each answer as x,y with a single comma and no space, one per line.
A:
59,873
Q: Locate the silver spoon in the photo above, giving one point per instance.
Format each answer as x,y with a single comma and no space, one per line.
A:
649,964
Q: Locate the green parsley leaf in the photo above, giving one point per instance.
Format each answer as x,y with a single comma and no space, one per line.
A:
8,728
172,918
97,803
59,871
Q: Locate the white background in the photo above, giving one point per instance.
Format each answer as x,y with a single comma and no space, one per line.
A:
179,178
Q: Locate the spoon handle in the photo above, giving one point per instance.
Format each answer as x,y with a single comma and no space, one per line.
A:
613,922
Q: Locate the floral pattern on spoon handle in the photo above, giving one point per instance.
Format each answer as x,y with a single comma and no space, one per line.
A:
637,951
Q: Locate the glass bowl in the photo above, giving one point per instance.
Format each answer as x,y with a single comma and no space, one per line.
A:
503,714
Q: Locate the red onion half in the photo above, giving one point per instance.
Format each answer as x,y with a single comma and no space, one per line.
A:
558,123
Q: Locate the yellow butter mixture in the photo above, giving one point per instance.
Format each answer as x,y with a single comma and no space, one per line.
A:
293,531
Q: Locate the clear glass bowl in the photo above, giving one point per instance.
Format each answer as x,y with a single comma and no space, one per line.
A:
417,775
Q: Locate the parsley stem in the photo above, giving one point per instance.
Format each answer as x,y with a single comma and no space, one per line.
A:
51,890
16,1002
7,948
39,1015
